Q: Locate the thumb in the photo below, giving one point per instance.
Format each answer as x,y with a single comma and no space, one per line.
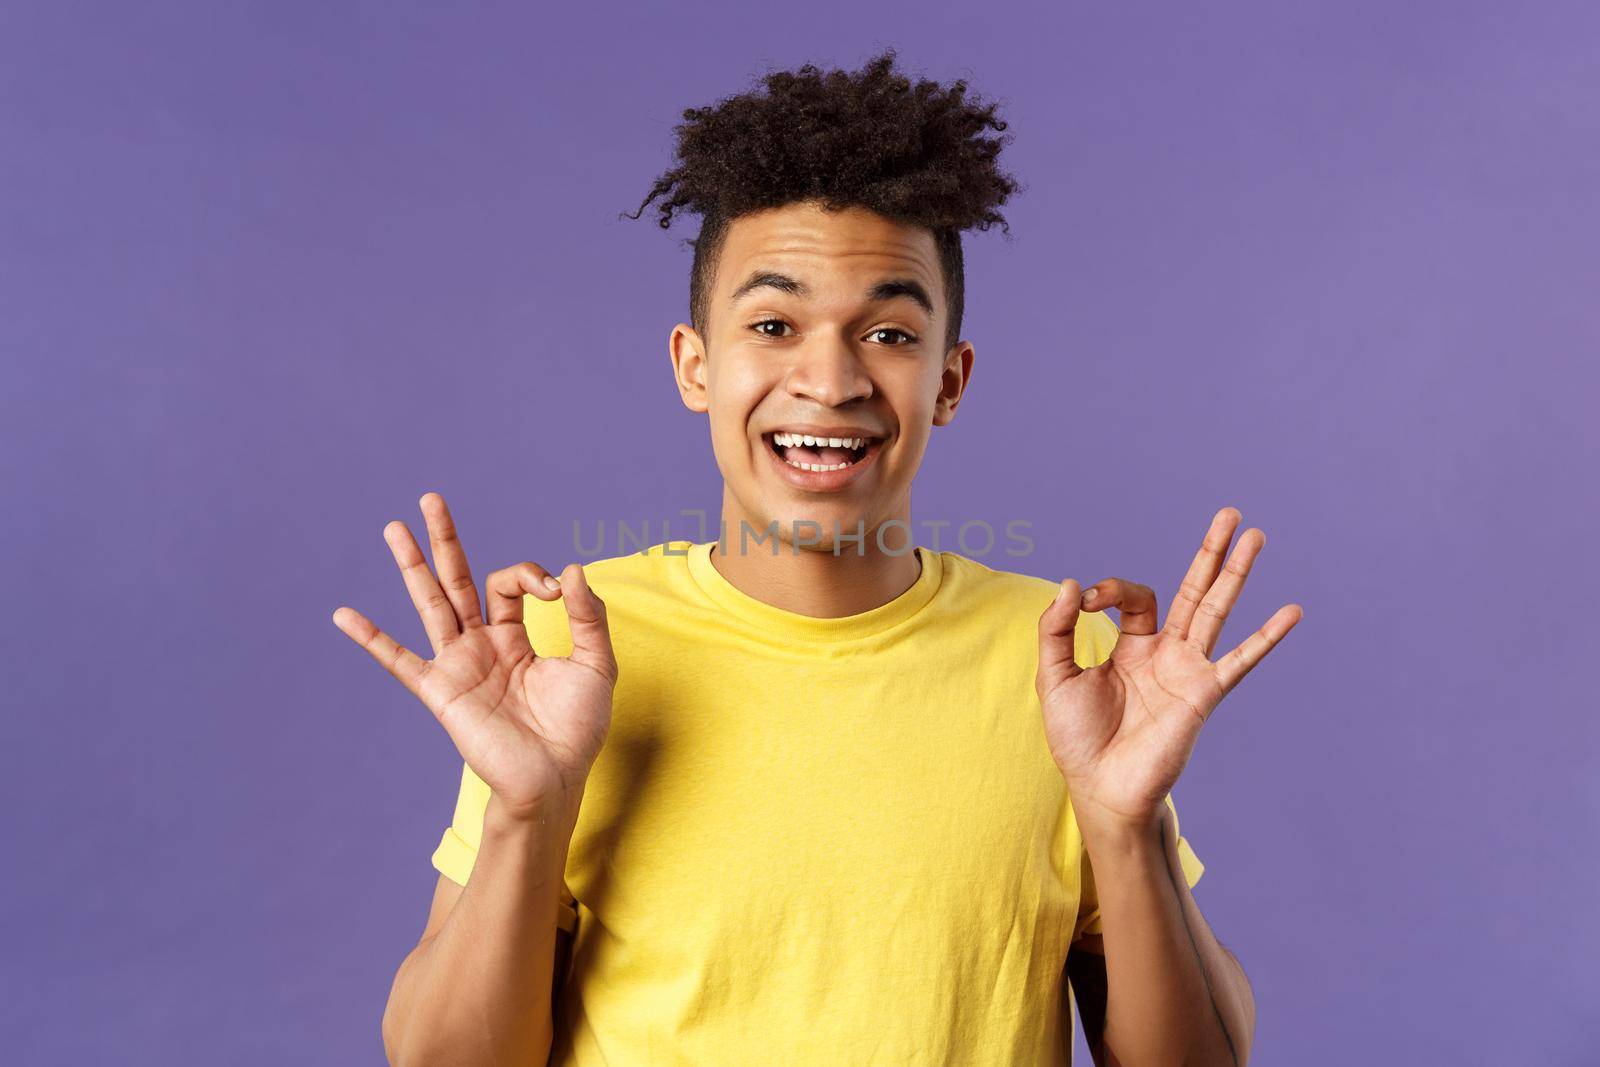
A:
1057,659
586,618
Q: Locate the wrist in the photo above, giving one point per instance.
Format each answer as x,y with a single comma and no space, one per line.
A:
553,818
533,847
1110,836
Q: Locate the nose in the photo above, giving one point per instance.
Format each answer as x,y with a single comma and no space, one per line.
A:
830,373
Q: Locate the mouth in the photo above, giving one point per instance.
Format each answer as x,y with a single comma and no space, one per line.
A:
819,461
809,452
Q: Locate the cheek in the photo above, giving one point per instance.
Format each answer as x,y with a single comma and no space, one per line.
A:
911,448
734,389
914,396
737,372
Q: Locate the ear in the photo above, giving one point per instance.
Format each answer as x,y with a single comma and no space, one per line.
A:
688,353
953,382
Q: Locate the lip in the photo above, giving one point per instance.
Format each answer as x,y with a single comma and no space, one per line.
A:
824,481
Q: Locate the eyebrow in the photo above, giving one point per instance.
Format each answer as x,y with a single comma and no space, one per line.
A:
887,289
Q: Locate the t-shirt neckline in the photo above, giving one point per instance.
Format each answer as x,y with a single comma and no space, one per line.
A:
781,622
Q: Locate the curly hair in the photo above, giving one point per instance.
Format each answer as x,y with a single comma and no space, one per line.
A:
916,153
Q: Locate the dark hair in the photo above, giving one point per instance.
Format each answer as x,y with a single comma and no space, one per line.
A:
914,153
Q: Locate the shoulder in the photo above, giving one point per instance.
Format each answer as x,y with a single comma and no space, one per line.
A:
980,589
626,583
651,567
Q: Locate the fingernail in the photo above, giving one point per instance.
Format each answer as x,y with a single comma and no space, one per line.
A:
1088,597
551,583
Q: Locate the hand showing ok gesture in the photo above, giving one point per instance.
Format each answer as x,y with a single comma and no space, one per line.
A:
1122,731
530,726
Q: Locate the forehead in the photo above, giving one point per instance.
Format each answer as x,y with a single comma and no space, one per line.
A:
825,248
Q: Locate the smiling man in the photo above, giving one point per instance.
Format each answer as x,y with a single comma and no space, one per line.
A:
812,792
827,382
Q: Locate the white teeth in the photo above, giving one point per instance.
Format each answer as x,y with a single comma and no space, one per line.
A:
789,439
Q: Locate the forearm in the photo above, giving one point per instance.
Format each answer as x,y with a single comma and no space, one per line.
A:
1173,994
479,991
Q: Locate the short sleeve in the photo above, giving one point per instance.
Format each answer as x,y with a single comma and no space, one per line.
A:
1088,899
458,848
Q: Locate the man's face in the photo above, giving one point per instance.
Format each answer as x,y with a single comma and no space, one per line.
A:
828,325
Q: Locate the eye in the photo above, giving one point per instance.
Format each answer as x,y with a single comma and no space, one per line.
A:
908,339
757,327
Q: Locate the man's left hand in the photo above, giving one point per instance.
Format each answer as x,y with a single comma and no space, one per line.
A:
1122,732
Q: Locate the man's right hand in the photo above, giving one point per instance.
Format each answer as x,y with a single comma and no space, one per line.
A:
530,726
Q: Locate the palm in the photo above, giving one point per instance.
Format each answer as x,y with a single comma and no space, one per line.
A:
1133,723
1122,732
530,726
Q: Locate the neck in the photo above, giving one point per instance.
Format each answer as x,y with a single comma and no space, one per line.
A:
816,580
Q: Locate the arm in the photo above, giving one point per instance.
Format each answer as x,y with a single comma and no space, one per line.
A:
1157,986
1086,971
1122,732
478,988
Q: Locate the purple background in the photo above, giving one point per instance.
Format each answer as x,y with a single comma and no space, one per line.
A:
269,272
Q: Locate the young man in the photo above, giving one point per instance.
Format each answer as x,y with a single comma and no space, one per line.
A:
820,797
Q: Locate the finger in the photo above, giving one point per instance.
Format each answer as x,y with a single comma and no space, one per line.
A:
450,560
1202,572
586,618
390,654
1213,610
1135,604
1057,642
1238,663
507,587
438,615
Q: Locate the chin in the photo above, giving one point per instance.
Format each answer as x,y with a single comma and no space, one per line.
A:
796,534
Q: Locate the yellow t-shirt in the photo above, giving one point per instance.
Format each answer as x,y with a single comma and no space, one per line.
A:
838,841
